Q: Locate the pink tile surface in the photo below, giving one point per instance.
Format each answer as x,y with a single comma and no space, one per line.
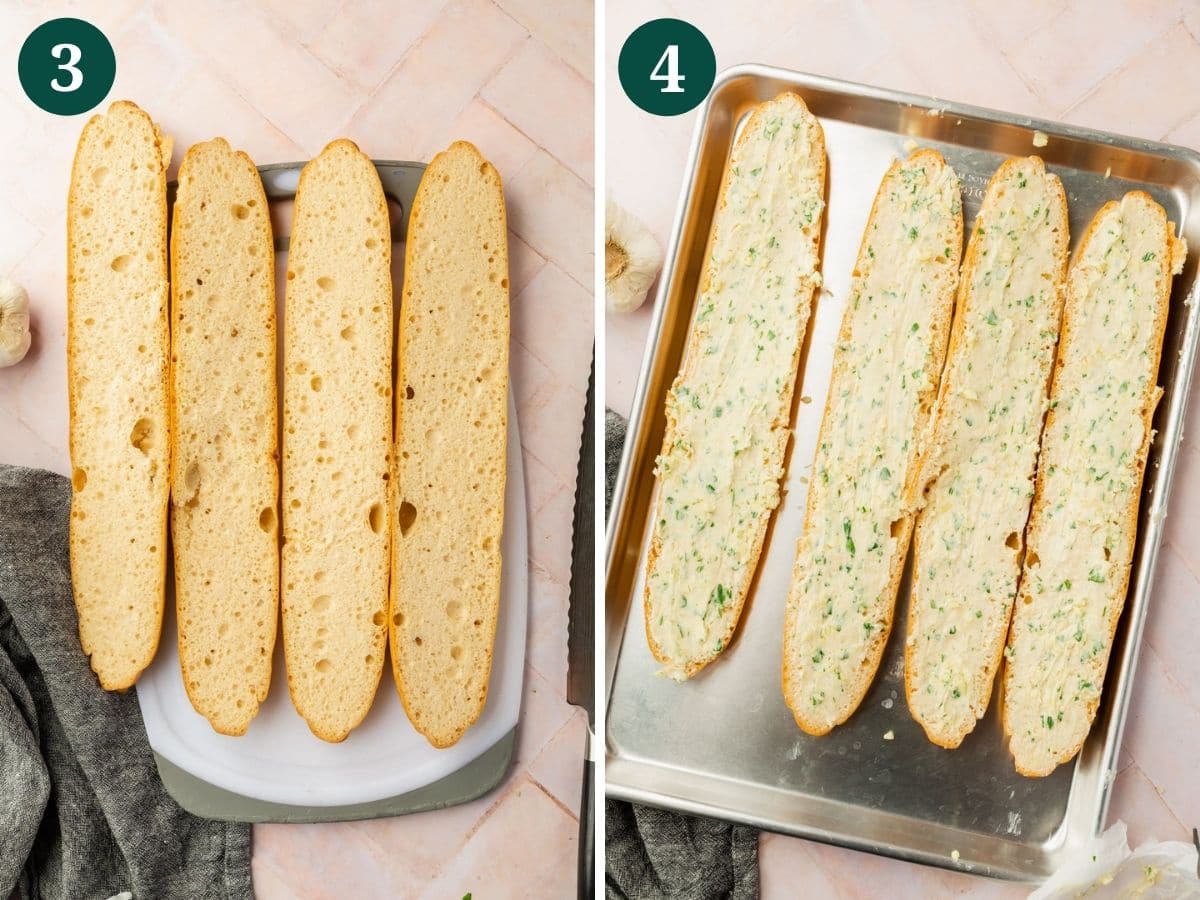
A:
281,79
1120,66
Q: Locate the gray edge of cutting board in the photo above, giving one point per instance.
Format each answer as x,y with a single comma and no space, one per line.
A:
473,780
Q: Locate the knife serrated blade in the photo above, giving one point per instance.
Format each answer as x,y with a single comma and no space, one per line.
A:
581,669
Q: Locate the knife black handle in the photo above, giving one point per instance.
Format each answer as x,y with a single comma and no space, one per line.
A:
587,834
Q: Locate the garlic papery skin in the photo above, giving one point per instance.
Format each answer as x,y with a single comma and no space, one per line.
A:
14,323
632,259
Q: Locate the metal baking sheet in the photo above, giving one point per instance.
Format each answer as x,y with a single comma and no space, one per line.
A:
724,744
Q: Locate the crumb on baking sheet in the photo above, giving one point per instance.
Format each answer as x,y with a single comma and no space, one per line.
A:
954,855
889,735
1040,139
1108,172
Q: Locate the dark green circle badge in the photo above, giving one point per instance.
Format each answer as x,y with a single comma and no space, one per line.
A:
667,67
66,66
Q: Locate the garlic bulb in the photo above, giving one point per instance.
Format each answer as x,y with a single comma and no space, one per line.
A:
632,259
14,323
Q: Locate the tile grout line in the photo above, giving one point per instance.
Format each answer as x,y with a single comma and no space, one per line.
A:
1119,70
537,784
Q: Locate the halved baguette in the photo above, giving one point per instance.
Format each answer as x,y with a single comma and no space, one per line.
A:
337,435
862,492
451,428
729,410
117,373
979,468
225,481
1084,521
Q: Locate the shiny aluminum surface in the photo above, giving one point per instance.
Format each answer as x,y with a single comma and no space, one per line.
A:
724,744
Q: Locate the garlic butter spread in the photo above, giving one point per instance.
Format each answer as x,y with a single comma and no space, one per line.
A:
728,411
1081,536
983,452
886,367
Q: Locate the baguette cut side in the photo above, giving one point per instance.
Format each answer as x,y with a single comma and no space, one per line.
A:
117,373
225,485
979,469
337,434
1084,521
886,368
729,409
451,444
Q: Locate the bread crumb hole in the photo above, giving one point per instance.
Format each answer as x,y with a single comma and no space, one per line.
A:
409,393
99,174
378,619
142,436
89,321
456,653
398,619
239,211
318,576
121,263
321,603
375,517
351,431
370,659
85,212
315,384
324,665
504,283
347,333
896,526
417,641
1107,554
454,609
325,283
1032,559
266,519
296,503
1013,541
488,542
478,622
191,477
406,516
291,276
372,243
79,479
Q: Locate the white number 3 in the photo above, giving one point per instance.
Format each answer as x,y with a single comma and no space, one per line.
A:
73,55
672,76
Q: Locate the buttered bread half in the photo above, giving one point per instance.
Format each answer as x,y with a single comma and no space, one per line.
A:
979,469
117,380
1084,521
337,438
886,369
729,410
225,486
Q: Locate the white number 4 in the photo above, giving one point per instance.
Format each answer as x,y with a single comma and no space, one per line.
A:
672,76
73,54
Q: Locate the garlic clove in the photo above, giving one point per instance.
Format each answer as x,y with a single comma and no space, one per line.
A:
632,259
15,337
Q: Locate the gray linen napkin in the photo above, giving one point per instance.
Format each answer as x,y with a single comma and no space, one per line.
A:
83,813
652,854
